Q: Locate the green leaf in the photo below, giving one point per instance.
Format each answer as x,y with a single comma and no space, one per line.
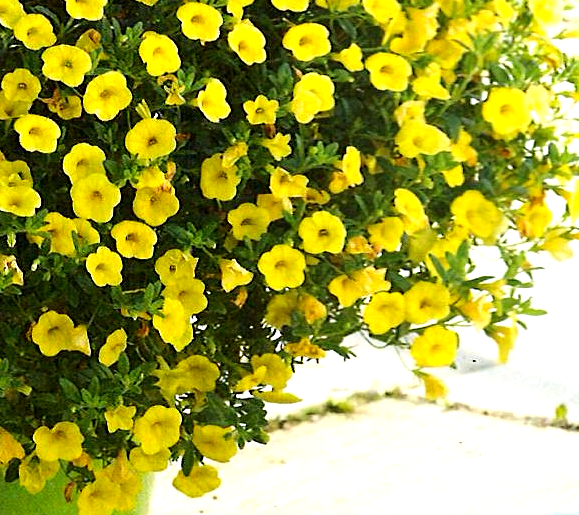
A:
188,460
69,389
561,412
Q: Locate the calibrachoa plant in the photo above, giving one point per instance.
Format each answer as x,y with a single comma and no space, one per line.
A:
196,197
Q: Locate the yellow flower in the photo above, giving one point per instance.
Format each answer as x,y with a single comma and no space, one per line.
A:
159,53
248,42
388,71
282,184
81,9
416,137
312,309
479,215
312,94
234,153
12,108
175,266
214,442
387,233
200,21
195,373
212,101
134,239
477,310
347,289
426,301
250,381
115,343
62,442
350,166
275,206
454,176
89,40
10,12
9,267
351,58
33,473
283,267
20,200
60,231
151,138
384,312
337,5
15,173
306,349
276,396
34,31
10,448
547,14
435,347
260,110
174,324
120,417
67,107
557,245
233,274
100,496
217,181
83,160
280,308
434,387
37,133
155,205
201,480
66,63
128,480
52,333
508,111
534,220
21,85
79,341
505,337
189,292
94,197
382,10
150,177
420,27
149,462
411,210
297,6
199,373
106,95
157,429
277,373
307,41
248,220
427,84
322,232
105,267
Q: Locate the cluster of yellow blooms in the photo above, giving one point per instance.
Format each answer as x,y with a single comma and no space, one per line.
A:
197,195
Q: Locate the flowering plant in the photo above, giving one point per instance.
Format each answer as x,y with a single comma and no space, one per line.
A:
196,197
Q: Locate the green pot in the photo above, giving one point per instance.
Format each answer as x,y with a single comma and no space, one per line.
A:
15,500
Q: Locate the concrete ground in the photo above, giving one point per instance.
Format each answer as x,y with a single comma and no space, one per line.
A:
401,457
